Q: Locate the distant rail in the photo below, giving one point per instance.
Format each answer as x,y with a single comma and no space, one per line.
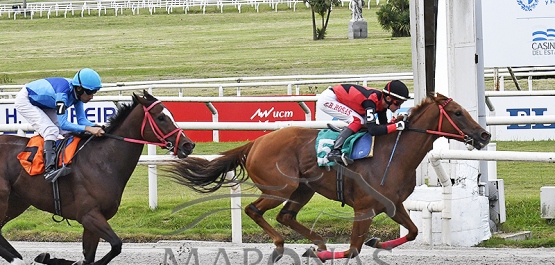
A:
291,83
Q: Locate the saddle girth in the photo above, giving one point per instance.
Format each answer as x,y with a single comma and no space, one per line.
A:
340,180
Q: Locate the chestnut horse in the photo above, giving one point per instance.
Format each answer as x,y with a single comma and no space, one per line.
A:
283,165
91,193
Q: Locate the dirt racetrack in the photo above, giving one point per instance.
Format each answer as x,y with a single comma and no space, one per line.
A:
205,253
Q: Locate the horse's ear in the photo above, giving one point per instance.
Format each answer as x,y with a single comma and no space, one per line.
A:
439,95
439,98
147,96
138,99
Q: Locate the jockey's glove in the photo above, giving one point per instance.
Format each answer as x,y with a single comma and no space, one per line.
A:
400,117
401,125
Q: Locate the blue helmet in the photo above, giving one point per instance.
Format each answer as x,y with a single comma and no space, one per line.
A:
88,79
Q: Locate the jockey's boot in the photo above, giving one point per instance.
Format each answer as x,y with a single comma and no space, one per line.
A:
336,155
49,159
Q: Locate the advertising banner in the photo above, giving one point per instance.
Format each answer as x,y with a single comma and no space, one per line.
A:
518,32
524,106
237,112
97,112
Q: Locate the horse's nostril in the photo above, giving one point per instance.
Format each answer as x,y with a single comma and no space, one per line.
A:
486,135
189,146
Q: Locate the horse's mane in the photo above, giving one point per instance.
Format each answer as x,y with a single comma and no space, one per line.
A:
123,111
425,102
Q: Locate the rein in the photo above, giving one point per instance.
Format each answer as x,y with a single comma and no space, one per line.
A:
155,129
442,113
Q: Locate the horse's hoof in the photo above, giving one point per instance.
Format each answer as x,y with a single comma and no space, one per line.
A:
310,252
43,258
276,256
372,242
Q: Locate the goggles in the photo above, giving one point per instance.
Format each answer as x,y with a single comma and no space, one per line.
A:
397,102
89,92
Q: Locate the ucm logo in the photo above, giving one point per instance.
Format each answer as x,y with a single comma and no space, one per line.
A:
527,5
271,113
527,112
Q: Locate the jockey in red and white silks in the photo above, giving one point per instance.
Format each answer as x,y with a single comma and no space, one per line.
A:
357,106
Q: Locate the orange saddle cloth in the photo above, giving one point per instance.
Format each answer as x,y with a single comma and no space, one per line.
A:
32,157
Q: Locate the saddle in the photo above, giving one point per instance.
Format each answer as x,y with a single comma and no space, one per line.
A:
358,146
32,157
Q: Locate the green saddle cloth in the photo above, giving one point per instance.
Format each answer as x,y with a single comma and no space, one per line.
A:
324,144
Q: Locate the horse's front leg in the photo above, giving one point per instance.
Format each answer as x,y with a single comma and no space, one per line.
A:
402,217
90,244
96,226
362,221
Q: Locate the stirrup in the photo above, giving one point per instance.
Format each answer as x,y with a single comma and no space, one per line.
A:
340,159
346,160
53,175
50,174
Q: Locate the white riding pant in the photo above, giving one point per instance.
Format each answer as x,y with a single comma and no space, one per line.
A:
328,103
44,121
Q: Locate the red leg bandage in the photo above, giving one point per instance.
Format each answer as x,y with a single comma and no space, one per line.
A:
394,243
326,255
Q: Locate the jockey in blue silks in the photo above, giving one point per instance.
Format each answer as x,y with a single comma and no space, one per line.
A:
44,103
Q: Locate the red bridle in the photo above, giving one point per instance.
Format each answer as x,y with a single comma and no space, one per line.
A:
443,113
156,130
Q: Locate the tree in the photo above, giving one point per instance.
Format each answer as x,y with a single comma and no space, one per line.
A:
395,17
322,8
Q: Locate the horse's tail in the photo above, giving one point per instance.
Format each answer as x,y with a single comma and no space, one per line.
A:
206,176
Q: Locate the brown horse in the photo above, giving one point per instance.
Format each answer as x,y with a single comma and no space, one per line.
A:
283,166
91,193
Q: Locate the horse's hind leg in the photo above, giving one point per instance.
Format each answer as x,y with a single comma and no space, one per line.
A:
256,211
288,214
11,206
8,252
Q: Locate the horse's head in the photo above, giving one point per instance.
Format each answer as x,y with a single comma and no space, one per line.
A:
159,126
453,121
